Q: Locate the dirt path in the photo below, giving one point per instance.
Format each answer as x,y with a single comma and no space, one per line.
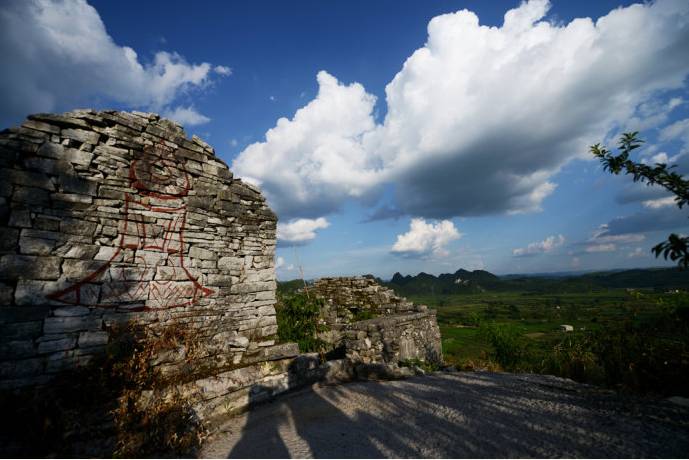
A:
456,415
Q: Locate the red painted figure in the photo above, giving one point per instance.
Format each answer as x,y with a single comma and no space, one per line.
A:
147,269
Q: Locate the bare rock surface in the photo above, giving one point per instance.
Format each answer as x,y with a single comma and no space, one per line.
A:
449,415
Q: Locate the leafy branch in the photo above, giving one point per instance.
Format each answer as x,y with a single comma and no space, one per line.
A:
676,248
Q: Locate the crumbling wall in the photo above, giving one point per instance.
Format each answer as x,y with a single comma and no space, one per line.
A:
398,331
113,218
395,339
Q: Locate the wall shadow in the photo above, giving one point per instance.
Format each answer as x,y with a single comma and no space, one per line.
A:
468,415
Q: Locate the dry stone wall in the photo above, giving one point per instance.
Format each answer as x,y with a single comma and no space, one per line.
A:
111,217
395,339
400,330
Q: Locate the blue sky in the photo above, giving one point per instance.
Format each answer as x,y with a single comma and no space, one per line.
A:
405,143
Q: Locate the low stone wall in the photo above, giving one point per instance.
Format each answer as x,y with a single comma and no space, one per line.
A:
395,339
346,296
400,330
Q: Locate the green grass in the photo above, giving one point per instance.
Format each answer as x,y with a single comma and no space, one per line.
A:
535,316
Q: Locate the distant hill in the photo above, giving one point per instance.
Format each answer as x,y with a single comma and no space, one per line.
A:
461,281
477,281
464,281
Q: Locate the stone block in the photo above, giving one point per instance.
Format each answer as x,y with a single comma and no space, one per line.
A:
51,346
51,150
31,196
81,251
78,227
106,252
78,157
81,135
26,178
93,339
62,324
74,184
72,198
36,246
219,280
9,240
14,267
75,310
41,126
20,218
204,254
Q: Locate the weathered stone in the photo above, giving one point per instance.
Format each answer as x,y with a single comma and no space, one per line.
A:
78,157
58,325
71,311
72,198
26,178
56,345
36,246
13,267
32,292
40,126
199,253
81,135
31,196
92,339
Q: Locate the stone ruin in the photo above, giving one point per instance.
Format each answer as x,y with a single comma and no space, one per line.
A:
395,332
112,219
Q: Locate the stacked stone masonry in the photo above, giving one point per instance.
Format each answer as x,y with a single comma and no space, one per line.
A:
399,332
109,218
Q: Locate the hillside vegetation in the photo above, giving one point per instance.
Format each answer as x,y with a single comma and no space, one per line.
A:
630,328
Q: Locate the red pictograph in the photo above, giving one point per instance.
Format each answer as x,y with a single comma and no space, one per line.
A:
148,268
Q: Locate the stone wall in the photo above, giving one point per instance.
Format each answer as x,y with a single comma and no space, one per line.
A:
399,330
395,339
345,297
113,218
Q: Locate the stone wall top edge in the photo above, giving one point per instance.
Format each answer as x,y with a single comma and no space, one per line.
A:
150,123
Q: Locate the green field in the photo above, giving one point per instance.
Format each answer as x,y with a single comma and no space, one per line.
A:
537,317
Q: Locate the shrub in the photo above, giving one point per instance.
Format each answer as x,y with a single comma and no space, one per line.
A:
573,358
119,405
298,318
509,349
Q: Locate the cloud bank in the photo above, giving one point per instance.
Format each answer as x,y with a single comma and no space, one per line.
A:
60,55
480,118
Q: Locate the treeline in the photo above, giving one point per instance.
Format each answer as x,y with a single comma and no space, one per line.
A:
477,281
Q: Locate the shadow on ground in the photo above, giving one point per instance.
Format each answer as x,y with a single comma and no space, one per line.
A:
456,415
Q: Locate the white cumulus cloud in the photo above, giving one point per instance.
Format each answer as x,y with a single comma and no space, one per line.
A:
308,165
425,238
540,247
58,54
480,118
300,231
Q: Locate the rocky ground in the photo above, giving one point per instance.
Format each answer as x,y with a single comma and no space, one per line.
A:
456,415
